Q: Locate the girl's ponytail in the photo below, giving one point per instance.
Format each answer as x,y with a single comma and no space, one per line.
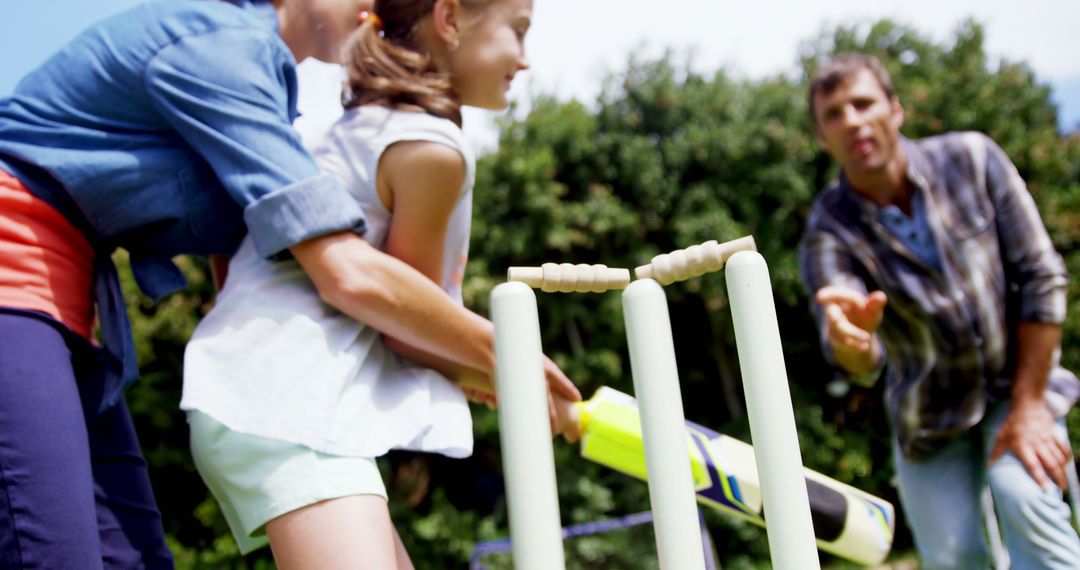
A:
384,66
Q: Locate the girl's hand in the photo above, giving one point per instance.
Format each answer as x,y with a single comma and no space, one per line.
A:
558,383
479,388
480,396
566,421
561,395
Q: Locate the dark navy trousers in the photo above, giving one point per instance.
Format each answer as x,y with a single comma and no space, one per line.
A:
74,489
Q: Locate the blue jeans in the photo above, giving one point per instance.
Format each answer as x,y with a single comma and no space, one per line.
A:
74,490
941,498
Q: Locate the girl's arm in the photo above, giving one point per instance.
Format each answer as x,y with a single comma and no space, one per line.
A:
420,183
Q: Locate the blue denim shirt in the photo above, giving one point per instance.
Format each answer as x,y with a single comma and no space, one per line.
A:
165,130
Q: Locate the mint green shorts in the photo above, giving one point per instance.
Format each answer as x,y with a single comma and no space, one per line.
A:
256,479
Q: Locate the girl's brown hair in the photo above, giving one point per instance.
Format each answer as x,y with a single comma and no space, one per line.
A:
389,67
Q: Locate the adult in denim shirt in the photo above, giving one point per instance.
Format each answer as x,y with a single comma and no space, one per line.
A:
929,265
165,130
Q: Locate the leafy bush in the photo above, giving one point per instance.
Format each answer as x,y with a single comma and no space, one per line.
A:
666,158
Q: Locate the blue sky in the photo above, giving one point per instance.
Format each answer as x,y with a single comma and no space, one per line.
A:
570,61
34,29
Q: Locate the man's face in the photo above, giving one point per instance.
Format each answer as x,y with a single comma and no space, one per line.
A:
859,125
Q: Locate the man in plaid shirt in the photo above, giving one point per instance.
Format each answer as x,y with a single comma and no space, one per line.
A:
929,264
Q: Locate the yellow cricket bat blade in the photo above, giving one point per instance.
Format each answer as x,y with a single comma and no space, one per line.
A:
848,523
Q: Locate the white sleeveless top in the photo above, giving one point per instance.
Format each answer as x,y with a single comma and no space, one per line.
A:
271,359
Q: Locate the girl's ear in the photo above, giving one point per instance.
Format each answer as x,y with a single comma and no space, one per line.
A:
447,16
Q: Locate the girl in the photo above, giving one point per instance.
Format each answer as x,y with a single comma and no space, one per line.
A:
290,401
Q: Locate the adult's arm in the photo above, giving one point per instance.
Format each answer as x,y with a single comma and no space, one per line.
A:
1039,272
396,292
847,318
236,112
1026,248
396,299
851,322
1029,429
388,294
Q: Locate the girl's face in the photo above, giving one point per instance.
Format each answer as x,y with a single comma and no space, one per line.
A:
490,52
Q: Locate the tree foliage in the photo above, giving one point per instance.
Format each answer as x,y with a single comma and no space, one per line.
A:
664,159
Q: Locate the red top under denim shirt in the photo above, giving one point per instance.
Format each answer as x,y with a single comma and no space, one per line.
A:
46,264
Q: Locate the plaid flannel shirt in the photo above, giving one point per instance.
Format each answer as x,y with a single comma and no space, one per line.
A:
948,335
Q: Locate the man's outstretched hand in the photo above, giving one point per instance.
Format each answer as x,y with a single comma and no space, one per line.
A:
851,319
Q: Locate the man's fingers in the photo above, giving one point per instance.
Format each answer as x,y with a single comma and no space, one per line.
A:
1064,448
1053,465
1054,452
1033,465
840,295
875,305
841,331
1055,457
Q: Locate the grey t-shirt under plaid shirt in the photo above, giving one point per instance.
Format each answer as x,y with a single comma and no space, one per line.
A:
949,333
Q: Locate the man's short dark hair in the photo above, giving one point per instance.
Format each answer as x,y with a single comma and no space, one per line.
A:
842,68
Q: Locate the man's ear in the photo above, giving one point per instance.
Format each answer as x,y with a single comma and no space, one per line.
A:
897,111
819,136
447,20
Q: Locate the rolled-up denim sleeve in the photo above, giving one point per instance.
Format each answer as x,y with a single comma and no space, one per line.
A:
1026,248
230,95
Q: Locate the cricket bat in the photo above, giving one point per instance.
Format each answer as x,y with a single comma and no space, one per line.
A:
848,523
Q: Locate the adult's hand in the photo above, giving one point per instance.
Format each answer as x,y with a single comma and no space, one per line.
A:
851,319
1029,432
